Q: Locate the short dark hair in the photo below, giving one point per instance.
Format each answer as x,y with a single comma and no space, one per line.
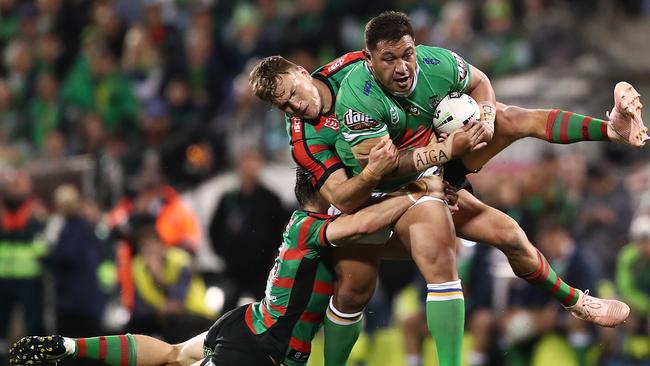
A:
387,26
263,79
305,189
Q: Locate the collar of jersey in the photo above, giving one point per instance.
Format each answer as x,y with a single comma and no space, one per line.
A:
404,94
318,215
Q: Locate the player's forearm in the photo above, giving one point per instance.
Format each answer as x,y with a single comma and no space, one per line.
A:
483,94
349,195
379,215
422,158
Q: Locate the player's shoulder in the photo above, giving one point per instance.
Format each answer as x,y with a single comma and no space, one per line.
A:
360,85
430,55
340,65
301,218
357,74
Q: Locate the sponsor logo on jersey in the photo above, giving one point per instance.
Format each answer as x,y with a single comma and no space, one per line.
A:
462,67
331,122
296,124
431,61
366,87
394,116
335,65
297,355
413,110
357,121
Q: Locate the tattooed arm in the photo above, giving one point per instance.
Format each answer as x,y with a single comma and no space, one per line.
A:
422,158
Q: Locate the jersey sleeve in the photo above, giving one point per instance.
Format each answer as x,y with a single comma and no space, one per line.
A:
460,69
312,151
448,65
320,229
311,233
359,108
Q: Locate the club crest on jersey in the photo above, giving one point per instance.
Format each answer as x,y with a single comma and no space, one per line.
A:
413,110
394,116
331,122
434,100
357,121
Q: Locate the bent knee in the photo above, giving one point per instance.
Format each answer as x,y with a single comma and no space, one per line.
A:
510,237
352,298
509,120
438,265
175,356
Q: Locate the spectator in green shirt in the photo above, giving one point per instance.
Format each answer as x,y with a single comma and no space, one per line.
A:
102,88
633,273
44,111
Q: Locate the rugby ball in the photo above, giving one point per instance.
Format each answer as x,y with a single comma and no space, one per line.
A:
454,111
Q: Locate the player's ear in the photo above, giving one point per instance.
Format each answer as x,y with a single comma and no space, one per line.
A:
366,54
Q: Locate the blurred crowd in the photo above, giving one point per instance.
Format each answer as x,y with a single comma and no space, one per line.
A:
111,109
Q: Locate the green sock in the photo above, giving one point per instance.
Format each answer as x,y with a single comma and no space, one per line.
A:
341,333
564,127
547,280
116,350
446,320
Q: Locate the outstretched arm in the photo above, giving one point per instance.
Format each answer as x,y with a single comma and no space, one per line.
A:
350,228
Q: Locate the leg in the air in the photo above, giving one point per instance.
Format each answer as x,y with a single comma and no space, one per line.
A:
479,222
625,125
512,123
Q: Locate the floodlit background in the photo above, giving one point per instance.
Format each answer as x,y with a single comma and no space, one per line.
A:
120,116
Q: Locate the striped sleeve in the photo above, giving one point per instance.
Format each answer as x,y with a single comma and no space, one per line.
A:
312,152
312,233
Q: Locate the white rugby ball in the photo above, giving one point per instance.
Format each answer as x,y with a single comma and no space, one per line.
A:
454,111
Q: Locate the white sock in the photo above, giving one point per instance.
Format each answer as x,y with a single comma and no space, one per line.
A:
477,358
413,360
70,346
341,318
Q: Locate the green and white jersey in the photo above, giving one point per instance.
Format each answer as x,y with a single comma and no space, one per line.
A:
367,110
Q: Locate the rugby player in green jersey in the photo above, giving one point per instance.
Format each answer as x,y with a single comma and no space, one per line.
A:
393,96
308,101
277,330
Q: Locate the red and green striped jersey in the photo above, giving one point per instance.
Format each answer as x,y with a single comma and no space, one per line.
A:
312,141
298,289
